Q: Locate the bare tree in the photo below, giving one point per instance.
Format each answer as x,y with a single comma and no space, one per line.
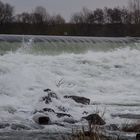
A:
134,7
6,12
99,16
113,15
80,17
76,18
40,15
56,19
23,18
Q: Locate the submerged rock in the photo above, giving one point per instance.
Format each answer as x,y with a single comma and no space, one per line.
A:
19,127
48,110
112,127
79,99
4,125
94,119
62,108
47,99
47,90
59,115
85,112
51,94
117,66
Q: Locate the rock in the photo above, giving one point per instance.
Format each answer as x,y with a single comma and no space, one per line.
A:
4,125
19,127
59,115
47,99
62,108
47,90
94,119
42,119
51,94
131,128
79,99
138,136
112,127
48,110
85,112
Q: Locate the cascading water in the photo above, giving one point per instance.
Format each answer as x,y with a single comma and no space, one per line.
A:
106,70
56,45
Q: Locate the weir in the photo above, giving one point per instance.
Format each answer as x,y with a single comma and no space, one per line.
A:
59,44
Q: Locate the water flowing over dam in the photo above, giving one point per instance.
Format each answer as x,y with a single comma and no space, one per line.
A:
105,70
59,44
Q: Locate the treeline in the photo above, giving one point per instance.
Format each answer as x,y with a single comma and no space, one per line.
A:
100,22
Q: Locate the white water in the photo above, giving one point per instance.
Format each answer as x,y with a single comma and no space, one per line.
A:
23,77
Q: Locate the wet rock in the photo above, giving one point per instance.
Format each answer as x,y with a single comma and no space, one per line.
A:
60,115
62,108
94,119
112,127
131,128
48,110
47,90
51,94
138,136
79,99
47,99
85,112
4,125
42,119
19,127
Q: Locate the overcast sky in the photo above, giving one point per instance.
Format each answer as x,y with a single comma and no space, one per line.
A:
64,7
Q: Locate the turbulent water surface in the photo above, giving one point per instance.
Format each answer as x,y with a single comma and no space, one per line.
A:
106,70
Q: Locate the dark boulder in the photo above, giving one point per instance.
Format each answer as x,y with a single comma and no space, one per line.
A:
94,119
60,115
48,110
138,136
79,99
42,119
